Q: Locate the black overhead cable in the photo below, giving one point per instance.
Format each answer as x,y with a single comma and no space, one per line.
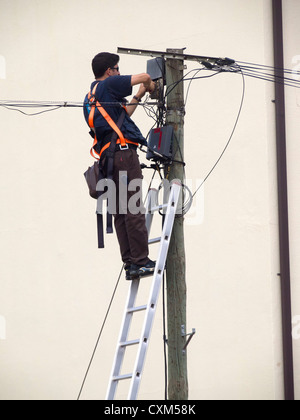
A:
149,108
230,137
270,74
253,70
287,77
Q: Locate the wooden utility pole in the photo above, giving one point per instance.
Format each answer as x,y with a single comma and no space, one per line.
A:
176,283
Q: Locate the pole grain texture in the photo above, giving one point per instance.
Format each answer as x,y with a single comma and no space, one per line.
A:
175,267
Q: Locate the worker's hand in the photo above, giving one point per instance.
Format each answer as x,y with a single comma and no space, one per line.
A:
141,92
151,87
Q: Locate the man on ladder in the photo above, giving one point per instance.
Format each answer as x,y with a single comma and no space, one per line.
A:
111,88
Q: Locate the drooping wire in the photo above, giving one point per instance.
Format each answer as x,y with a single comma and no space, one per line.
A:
31,114
188,202
188,89
230,137
100,334
185,79
106,315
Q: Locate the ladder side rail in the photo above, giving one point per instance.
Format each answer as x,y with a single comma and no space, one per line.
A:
155,290
151,201
123,335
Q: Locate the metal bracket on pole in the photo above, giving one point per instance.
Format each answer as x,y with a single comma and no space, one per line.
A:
168,54
179,111
190,335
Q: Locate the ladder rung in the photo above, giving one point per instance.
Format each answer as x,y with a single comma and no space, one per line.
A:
122,377
131,307
129,343
154,240
156,208
137,309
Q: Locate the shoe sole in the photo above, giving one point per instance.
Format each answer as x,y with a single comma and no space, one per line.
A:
141,273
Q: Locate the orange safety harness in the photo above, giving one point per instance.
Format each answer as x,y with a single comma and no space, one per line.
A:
107,172
94,103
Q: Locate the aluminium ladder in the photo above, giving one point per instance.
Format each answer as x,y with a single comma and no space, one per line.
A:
150,308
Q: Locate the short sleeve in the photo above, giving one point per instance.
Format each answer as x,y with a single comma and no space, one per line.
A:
119,86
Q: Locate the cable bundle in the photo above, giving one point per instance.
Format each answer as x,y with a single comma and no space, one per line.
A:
157,110
283,76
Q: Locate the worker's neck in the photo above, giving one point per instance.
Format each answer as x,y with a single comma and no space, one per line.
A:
100,79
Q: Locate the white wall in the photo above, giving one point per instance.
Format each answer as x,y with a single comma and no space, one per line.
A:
55,283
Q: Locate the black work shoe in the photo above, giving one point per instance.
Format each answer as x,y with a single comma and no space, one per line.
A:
127,270
136,271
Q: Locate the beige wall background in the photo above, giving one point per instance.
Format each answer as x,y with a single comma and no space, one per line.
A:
56,284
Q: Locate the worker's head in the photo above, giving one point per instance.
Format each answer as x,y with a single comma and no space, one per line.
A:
105,61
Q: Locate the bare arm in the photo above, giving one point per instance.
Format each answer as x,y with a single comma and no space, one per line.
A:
142,78
146,85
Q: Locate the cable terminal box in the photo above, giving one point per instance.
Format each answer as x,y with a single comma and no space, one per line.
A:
160,143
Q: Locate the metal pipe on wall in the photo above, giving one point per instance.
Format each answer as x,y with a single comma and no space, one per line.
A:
283,204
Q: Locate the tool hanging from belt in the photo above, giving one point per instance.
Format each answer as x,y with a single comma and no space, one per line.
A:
109,148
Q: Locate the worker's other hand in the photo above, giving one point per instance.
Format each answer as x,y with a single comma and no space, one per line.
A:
151,87
141,92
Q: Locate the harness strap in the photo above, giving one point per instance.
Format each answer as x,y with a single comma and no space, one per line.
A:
100,231
106,146
106,116
116,138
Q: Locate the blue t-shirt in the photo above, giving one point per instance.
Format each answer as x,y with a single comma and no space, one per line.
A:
113,89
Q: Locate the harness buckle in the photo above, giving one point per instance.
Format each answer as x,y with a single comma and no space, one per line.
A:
124,147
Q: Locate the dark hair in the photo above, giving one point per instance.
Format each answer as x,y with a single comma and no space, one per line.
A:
103,61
